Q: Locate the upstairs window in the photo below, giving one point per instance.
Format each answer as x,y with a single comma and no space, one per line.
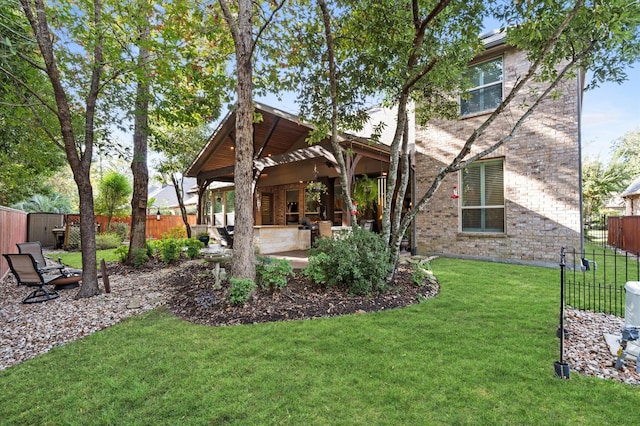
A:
483,197
486,91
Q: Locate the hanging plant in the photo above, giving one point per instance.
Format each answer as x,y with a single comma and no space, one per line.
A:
365,192
314,191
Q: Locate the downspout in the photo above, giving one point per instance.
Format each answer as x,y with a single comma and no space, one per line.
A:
579,109
414,225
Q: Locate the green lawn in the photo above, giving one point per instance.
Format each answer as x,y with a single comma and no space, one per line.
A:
482,352
74,258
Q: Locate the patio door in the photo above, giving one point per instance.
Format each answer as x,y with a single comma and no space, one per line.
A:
266,208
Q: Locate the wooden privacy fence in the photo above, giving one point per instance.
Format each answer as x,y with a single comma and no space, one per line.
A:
13,230
624,233
155,227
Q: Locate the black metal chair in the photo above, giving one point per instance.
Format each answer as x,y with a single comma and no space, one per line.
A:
227,238
25,269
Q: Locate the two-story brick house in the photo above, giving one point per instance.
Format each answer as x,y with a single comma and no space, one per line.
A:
520,203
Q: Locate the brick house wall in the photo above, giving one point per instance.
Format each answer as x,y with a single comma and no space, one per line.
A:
541,178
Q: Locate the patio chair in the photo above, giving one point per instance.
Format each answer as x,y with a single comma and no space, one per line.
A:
25,269
227,238
34,248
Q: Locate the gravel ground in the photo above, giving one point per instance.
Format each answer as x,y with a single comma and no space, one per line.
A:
587,352
30,330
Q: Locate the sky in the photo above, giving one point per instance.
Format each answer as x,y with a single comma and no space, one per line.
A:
608,113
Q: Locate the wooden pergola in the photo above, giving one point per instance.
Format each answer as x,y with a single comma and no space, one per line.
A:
283,159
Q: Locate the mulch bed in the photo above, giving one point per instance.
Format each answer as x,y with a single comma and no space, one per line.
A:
194,299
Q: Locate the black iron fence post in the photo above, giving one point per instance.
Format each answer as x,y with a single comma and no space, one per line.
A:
561,368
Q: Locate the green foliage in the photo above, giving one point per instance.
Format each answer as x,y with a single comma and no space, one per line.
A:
314,191
114,190
359,262
272,272
139,257
120,228
193,247
39,203
169,250
177,232
107,241
626,151
240,290
365,193
122,252
599,183
421,274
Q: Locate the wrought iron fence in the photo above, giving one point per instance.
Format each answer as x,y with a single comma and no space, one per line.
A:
595,280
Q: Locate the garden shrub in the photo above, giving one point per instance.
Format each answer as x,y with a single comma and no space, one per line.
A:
139,257
122,252
421,273
176,233
107,241
192,246
169,250
272,272
240,290
359,262
121,229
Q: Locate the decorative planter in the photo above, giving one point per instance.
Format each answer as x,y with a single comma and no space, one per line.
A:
204,239
404,244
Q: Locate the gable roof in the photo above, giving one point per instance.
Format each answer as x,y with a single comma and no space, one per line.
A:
633,189
278,138
165,195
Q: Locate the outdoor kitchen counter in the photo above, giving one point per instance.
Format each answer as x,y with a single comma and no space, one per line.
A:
278,238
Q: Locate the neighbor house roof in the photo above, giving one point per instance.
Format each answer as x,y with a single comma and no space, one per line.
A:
165,195
633,189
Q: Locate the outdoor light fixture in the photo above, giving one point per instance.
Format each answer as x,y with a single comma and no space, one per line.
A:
158,215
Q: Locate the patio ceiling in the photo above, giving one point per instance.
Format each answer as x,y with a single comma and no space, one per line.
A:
279,139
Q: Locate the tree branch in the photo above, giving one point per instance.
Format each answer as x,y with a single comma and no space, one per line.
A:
28,89
266,24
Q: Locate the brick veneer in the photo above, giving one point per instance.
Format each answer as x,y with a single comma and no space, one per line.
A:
541,171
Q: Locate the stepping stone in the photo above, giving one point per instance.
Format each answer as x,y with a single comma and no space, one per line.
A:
134,303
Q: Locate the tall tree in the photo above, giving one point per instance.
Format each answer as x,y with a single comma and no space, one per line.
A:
140,133
179,78
76,90
114,191
240,23
626,151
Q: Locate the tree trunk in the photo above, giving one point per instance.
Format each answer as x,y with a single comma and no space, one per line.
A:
179,195
139,169
243,256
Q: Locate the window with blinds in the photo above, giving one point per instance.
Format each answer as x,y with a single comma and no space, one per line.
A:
486,91
482,198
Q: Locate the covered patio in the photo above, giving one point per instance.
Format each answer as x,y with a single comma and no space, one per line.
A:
284,167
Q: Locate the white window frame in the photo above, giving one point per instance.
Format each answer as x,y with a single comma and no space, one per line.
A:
484,86
483,207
